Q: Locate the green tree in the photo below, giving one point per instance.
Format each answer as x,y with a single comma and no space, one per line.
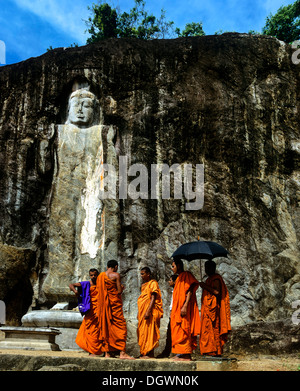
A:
103,23
285,24
191,30
107,22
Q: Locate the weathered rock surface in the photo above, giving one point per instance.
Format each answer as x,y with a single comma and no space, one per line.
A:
278,337
230,102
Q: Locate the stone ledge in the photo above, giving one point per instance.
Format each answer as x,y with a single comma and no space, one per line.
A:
62,361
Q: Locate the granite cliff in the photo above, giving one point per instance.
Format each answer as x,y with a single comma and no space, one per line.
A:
229,103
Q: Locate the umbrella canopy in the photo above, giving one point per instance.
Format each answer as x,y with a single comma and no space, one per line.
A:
200,250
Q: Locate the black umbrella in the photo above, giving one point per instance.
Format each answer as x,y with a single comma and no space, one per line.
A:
200,250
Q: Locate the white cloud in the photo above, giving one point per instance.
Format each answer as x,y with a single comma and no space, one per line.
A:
65,15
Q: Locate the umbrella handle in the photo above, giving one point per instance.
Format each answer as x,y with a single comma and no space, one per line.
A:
201,278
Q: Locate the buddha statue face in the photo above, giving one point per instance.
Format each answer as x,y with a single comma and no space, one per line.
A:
81,108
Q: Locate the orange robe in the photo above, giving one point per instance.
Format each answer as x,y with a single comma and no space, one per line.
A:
88,334
215,319
148,329
184,330
112,324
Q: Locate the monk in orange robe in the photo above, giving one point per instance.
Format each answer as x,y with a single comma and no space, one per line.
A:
185,319
150,311
215,313
112,324
88,334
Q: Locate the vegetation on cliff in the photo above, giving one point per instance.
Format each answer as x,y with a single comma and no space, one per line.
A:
108,22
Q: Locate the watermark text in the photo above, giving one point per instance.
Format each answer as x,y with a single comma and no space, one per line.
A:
295,55
180,181
296,314
2,53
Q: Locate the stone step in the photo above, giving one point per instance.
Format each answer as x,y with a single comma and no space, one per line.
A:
38,361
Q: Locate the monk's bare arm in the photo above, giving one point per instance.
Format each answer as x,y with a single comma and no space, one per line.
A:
149,309
120,287
187,299
185,305
73,289
215,289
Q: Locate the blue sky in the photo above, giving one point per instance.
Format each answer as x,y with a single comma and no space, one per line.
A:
29,27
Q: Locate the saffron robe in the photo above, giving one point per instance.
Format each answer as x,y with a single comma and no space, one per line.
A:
215,318
88,334
184,330
112,324
148,329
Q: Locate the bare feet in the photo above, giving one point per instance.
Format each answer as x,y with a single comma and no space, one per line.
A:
96,355
145,357
125,356
182,357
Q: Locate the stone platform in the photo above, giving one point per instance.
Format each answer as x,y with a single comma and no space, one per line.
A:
66,322
30,338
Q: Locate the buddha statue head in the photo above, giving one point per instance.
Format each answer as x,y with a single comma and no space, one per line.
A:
81,108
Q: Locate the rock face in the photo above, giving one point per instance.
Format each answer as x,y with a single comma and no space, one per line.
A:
230,103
